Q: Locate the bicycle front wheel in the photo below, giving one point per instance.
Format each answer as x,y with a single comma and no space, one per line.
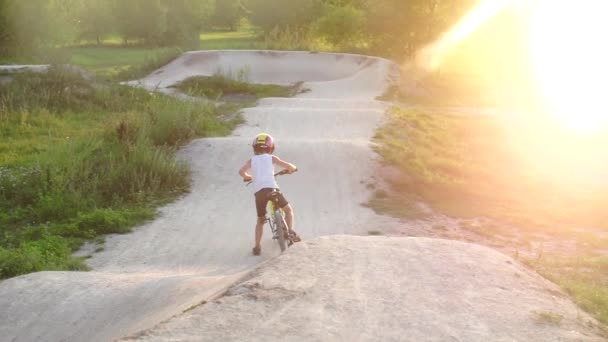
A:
281,230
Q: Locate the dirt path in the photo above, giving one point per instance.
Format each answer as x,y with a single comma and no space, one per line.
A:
348,288
200,245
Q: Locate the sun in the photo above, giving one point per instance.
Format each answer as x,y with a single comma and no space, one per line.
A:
569,52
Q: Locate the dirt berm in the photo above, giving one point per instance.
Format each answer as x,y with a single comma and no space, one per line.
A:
349,288
327,287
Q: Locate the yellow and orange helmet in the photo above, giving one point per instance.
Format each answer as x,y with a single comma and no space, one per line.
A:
263,143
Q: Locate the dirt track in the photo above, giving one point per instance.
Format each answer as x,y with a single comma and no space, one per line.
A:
201,244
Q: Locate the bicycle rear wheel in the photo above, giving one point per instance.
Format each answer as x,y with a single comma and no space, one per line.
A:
281,229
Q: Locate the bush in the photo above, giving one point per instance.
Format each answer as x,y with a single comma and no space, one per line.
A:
48,253
104,221
341,26
57,89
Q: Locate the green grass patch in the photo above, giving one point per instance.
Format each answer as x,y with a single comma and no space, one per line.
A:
218,86
585,278
230,40
83,159
119,62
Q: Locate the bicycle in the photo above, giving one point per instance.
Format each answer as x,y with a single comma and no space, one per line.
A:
276,219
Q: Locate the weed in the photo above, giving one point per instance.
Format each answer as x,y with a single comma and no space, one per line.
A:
545,317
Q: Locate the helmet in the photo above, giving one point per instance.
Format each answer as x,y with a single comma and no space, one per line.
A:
263,143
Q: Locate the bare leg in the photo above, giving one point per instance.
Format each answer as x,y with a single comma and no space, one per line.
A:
259,229
289,216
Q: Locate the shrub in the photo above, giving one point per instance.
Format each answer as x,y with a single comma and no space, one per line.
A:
341,26
48,253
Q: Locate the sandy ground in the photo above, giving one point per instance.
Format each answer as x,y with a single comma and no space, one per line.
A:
349,288
335,288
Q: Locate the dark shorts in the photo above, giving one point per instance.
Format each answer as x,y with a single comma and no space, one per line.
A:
261,200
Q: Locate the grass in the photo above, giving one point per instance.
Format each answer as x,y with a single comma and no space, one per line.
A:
218,86
585,278
480,166
122,63
239,40
82,159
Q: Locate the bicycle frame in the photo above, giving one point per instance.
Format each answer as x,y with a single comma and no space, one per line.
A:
270,218
276,220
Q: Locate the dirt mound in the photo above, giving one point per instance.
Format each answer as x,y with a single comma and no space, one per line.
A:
347,288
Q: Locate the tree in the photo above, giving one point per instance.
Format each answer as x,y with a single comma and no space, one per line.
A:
185,20
139,20
293,14
341,25
30,25
399,28
228,13
94,20
6,34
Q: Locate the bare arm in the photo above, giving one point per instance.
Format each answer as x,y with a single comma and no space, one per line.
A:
284,164
243,171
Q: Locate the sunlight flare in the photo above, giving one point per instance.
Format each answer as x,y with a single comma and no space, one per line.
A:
570,56
431,56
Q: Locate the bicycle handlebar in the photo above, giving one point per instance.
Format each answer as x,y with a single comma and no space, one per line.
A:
284,172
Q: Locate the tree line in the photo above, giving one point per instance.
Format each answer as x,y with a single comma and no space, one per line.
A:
386,27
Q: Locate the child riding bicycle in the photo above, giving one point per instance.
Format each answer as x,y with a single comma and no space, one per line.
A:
262,177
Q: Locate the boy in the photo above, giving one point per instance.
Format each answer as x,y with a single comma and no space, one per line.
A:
262,169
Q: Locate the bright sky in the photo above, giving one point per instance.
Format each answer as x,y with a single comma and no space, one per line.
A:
566,57
569,50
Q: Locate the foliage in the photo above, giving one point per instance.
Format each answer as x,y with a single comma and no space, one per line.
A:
219,85
125,63
390,28
398,28
227,14
48,253
149,65
271,14
139,20
83,159
582,277
55,89
94,20
342,25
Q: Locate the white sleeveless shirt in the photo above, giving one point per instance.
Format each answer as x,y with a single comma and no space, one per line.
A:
262,171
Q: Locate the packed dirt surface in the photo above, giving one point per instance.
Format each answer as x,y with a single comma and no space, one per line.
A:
336,288
348,288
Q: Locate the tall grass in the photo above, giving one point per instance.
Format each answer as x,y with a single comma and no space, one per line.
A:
85,159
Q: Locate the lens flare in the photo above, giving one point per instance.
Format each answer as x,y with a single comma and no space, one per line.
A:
570,56
432,55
